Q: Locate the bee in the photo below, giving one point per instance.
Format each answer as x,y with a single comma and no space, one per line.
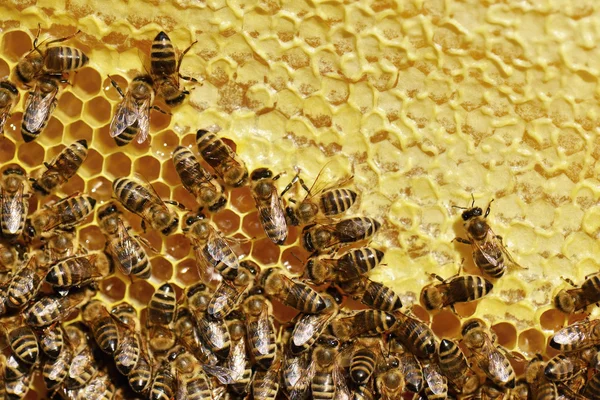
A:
77,271
165,69
140,376
228,294
563,368
61,168
370,293
453,364
99,387
294,378
492,362
40,104
361,323
9,259
260,329
410,368
228,166
83,368
415,335
350,265
437,384
265,384
8,98
25,284
389,379
211,249
128,353
489,254
326,380
145,202
580,335
13,201
290,292
65,214
23,343
317,238
60,246
50,309
52,341
185,329
364,359
56,369
160,338
163,383
13,369
162,305
540,388
51,60
18,388
457,289
126,313
103,326
573,300
192,382
196,180
269,205
319,201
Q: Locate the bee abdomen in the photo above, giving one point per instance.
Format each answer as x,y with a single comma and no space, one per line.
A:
128,353
106,334
63,58
323,386
125,137
362,366
381,297
337,201
24,344
303,298
495,271
162,56
162,385
592,388
357,228
141,375
162,306
74,209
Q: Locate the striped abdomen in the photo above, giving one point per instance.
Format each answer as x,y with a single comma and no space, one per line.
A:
452,361
73,210
62,168
592,388
162,305
163,60
416,336
163,384
63,58
215,335
362,365
370,322
131,256
82,369
141,375
132,195
128,134
336,201
23,287
71,272
322,386
55,371
358,262
24,344
224,300
467,288
52,341
495,269
265,385
263,345
198,387
13,213
381,297
355,229
128,353
106,333
302,297
213,150
413,374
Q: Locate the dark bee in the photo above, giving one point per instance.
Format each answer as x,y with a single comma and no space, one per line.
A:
580,335
364,322
454,366
8,98
162,305
290,292
269,205
145,202
23,343
83,368
260,328
370,293
364,359
164,68
437,384
63,215
59,246
40,104
592,387
321,237
205,188
489,254
163,383
350,265
128,353
103,326
140,376
540,388
62,168
100,387
228,294
573,300
19,387
457,289
221,158
126,313
50,309
187,335
77,271
325,380
192,381
410,368
415,335
25,283
13,201
265,384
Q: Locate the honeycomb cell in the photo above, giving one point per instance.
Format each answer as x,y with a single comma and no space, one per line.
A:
227,221
552,320
97,111
117,165
242,200
31,154
15,44
446,324
161,269
110,91
532,342
507,334
185,198
291,260
70,105
88,83
141,291
92,165
164,192
420,313
148,167
113,288
265,252
4,68
53,133
187,272
99,188
169,174
251,226
159,120
154,238
163,144
177,246
7,149
91,238
74,185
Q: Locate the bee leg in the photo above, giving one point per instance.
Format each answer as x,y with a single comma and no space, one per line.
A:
569,281
453,309
463,241
157,108
64,38
289,186
487,210
47,165
436,276
278,176
144,226
116,85
146,243
178,204
183,53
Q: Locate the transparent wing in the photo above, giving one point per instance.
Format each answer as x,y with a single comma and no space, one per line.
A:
220,251
127,251
308,326
499,367
13,210
143,118
38,108
262,331
224,375
124,117
4,113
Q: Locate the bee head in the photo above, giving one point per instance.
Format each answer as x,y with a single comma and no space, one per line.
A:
261,173
10,87
30,230
107,211
192,219
251,266
472,213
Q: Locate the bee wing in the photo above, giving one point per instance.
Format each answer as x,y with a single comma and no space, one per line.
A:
273,214
4,113
499,367
342,392
262,331
12,209
224,375
568,336
143,118
237,360
304,375
218,248
308,326
206,269
41,106
124,117
435,380
127,250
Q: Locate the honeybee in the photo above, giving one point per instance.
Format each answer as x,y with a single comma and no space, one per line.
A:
365,357
540,388
320,201
25,283
40,104
132,119
103,326
54,60
437,384
454,366
13,369
205,188
580,335
83,368
128,353
265,384
453,290
8,98
126,249
19,387
410,368
326,379
290,292
77,271
561,367
126,313
162,305
573,300
163,383
23,343
187,334
230,168
260,328
52,341
489,254
99,387
229,293
9,260
415,335
389,379
361,323
370,293
140,376
59,246
62,215
50,309
61,168
165,69
56,369
350,265
317,238
492,362
211,249
192,382
269,205
13,201
145,202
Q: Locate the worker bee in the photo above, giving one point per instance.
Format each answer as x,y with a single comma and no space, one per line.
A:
415,335
162,305
389,379
260,329
489,254
140,376
269,205
40,104
320,201
9,260
456,289
59,246
128,353
51,60
126,313
61,168
350,265
8,98
563,367
25,283
192,381
265,384
211,249
160,339
365,357
185,329
165,69
13,201
317,238
491,361
103,326
77,271
23,343
229,293
573,300
580,335
290,292
99,387
294,377
145,202
410,368
196,180
163,383
221,158
453,364
540,388
50,309
56,369
82,369
361,323
65,214
326,379
132,118
52,341
437,384
18,388
370,293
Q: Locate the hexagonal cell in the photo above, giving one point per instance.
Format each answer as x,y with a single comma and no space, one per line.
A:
99,188
507,334
148,167
163,144
552,319
189,140
4,68
187,272
88,82
92,165
163,192
15,44
227,221
159,121
169,174
465,310
184,197
52,133
242,200
7,150
265,252
91,238
74,185
117,165
161,269
446,324
141,291
12,127
70,105
103,142
154,237
110,91
532,342
291,259
177,246
79,130
252,227
31,154
113,288
97,111
420,313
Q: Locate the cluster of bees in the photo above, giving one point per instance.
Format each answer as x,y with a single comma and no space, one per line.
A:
221,339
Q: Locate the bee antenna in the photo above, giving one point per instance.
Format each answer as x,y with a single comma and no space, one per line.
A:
473,202
462,208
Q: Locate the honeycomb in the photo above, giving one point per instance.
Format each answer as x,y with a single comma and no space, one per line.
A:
424,102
